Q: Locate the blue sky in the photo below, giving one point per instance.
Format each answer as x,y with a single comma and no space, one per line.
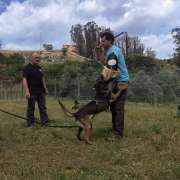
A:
5,3
22,22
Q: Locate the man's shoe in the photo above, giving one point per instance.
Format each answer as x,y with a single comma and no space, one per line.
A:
113,137
44,125
30,126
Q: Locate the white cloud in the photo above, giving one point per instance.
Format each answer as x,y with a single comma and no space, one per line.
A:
88,6
22,23
144,17
18,47
162,44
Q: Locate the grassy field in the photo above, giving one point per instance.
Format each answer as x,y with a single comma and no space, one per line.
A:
149,150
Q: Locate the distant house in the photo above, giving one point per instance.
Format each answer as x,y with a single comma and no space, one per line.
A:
70,47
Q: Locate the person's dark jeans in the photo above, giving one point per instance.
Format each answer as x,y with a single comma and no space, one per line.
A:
40,98
117,110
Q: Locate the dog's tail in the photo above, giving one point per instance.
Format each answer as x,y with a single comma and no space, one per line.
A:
65,110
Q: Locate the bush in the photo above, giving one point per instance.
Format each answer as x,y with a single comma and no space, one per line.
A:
12,66
143,89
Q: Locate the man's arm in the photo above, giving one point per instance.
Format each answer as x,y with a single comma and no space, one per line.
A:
25,87
45,87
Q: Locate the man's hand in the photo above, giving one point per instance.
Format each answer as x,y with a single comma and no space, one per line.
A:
26,89
27,95
45,88
46,91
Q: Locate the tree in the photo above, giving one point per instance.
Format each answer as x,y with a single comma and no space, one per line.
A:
145,63
0,44
176,35
143,89
150,53
86,37
2,58
92,37
48,47
64,51
78,83
12,66
77,37
169,81
131,46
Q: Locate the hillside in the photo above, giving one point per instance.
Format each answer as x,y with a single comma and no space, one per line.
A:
51,56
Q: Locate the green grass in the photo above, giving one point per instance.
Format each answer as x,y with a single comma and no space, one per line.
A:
149,150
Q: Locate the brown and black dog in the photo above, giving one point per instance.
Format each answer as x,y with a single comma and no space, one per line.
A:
107,91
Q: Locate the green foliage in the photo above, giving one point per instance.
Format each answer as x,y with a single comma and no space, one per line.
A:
156,128
143,89
130,46
153,81
176,37
11,66
64,51
150,80
72,76
167,80
2,58
78,38
48,47
141,62
86,37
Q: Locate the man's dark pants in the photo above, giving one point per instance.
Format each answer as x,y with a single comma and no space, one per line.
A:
40,98
117,110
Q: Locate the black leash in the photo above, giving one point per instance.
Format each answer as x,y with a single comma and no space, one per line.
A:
12,114
53,126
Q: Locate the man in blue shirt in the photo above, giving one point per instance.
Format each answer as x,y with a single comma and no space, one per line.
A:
111,56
